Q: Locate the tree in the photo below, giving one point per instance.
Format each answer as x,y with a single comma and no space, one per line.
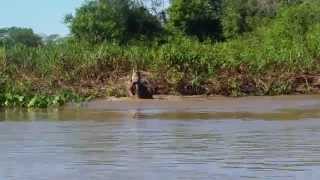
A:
196,18
113,20
16,35
241,16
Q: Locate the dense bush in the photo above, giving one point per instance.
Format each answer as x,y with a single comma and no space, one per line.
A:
196,18
23,36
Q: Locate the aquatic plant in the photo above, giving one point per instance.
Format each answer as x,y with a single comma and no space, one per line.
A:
18,99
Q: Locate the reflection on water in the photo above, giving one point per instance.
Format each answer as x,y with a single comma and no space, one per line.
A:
84,144
85,115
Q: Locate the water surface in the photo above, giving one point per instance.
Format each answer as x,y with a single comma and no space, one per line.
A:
240,139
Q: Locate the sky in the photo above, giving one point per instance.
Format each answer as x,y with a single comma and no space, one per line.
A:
43,16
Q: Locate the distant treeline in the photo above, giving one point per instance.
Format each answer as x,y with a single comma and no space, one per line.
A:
228,47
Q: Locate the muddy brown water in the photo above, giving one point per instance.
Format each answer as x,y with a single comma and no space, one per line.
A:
166,138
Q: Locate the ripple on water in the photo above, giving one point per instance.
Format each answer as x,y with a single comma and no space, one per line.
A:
83,145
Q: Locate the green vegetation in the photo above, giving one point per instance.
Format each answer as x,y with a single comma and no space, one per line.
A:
196,18
113,20
210,47
22,36
20,99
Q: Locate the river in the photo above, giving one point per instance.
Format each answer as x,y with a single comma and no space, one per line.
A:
195,138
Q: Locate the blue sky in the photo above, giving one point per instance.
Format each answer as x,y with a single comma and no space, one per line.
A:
43,16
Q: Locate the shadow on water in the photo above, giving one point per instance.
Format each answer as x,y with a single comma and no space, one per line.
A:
140,114
249,108
290,114
58,115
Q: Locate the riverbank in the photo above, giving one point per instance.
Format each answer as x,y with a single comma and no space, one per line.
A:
21,89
